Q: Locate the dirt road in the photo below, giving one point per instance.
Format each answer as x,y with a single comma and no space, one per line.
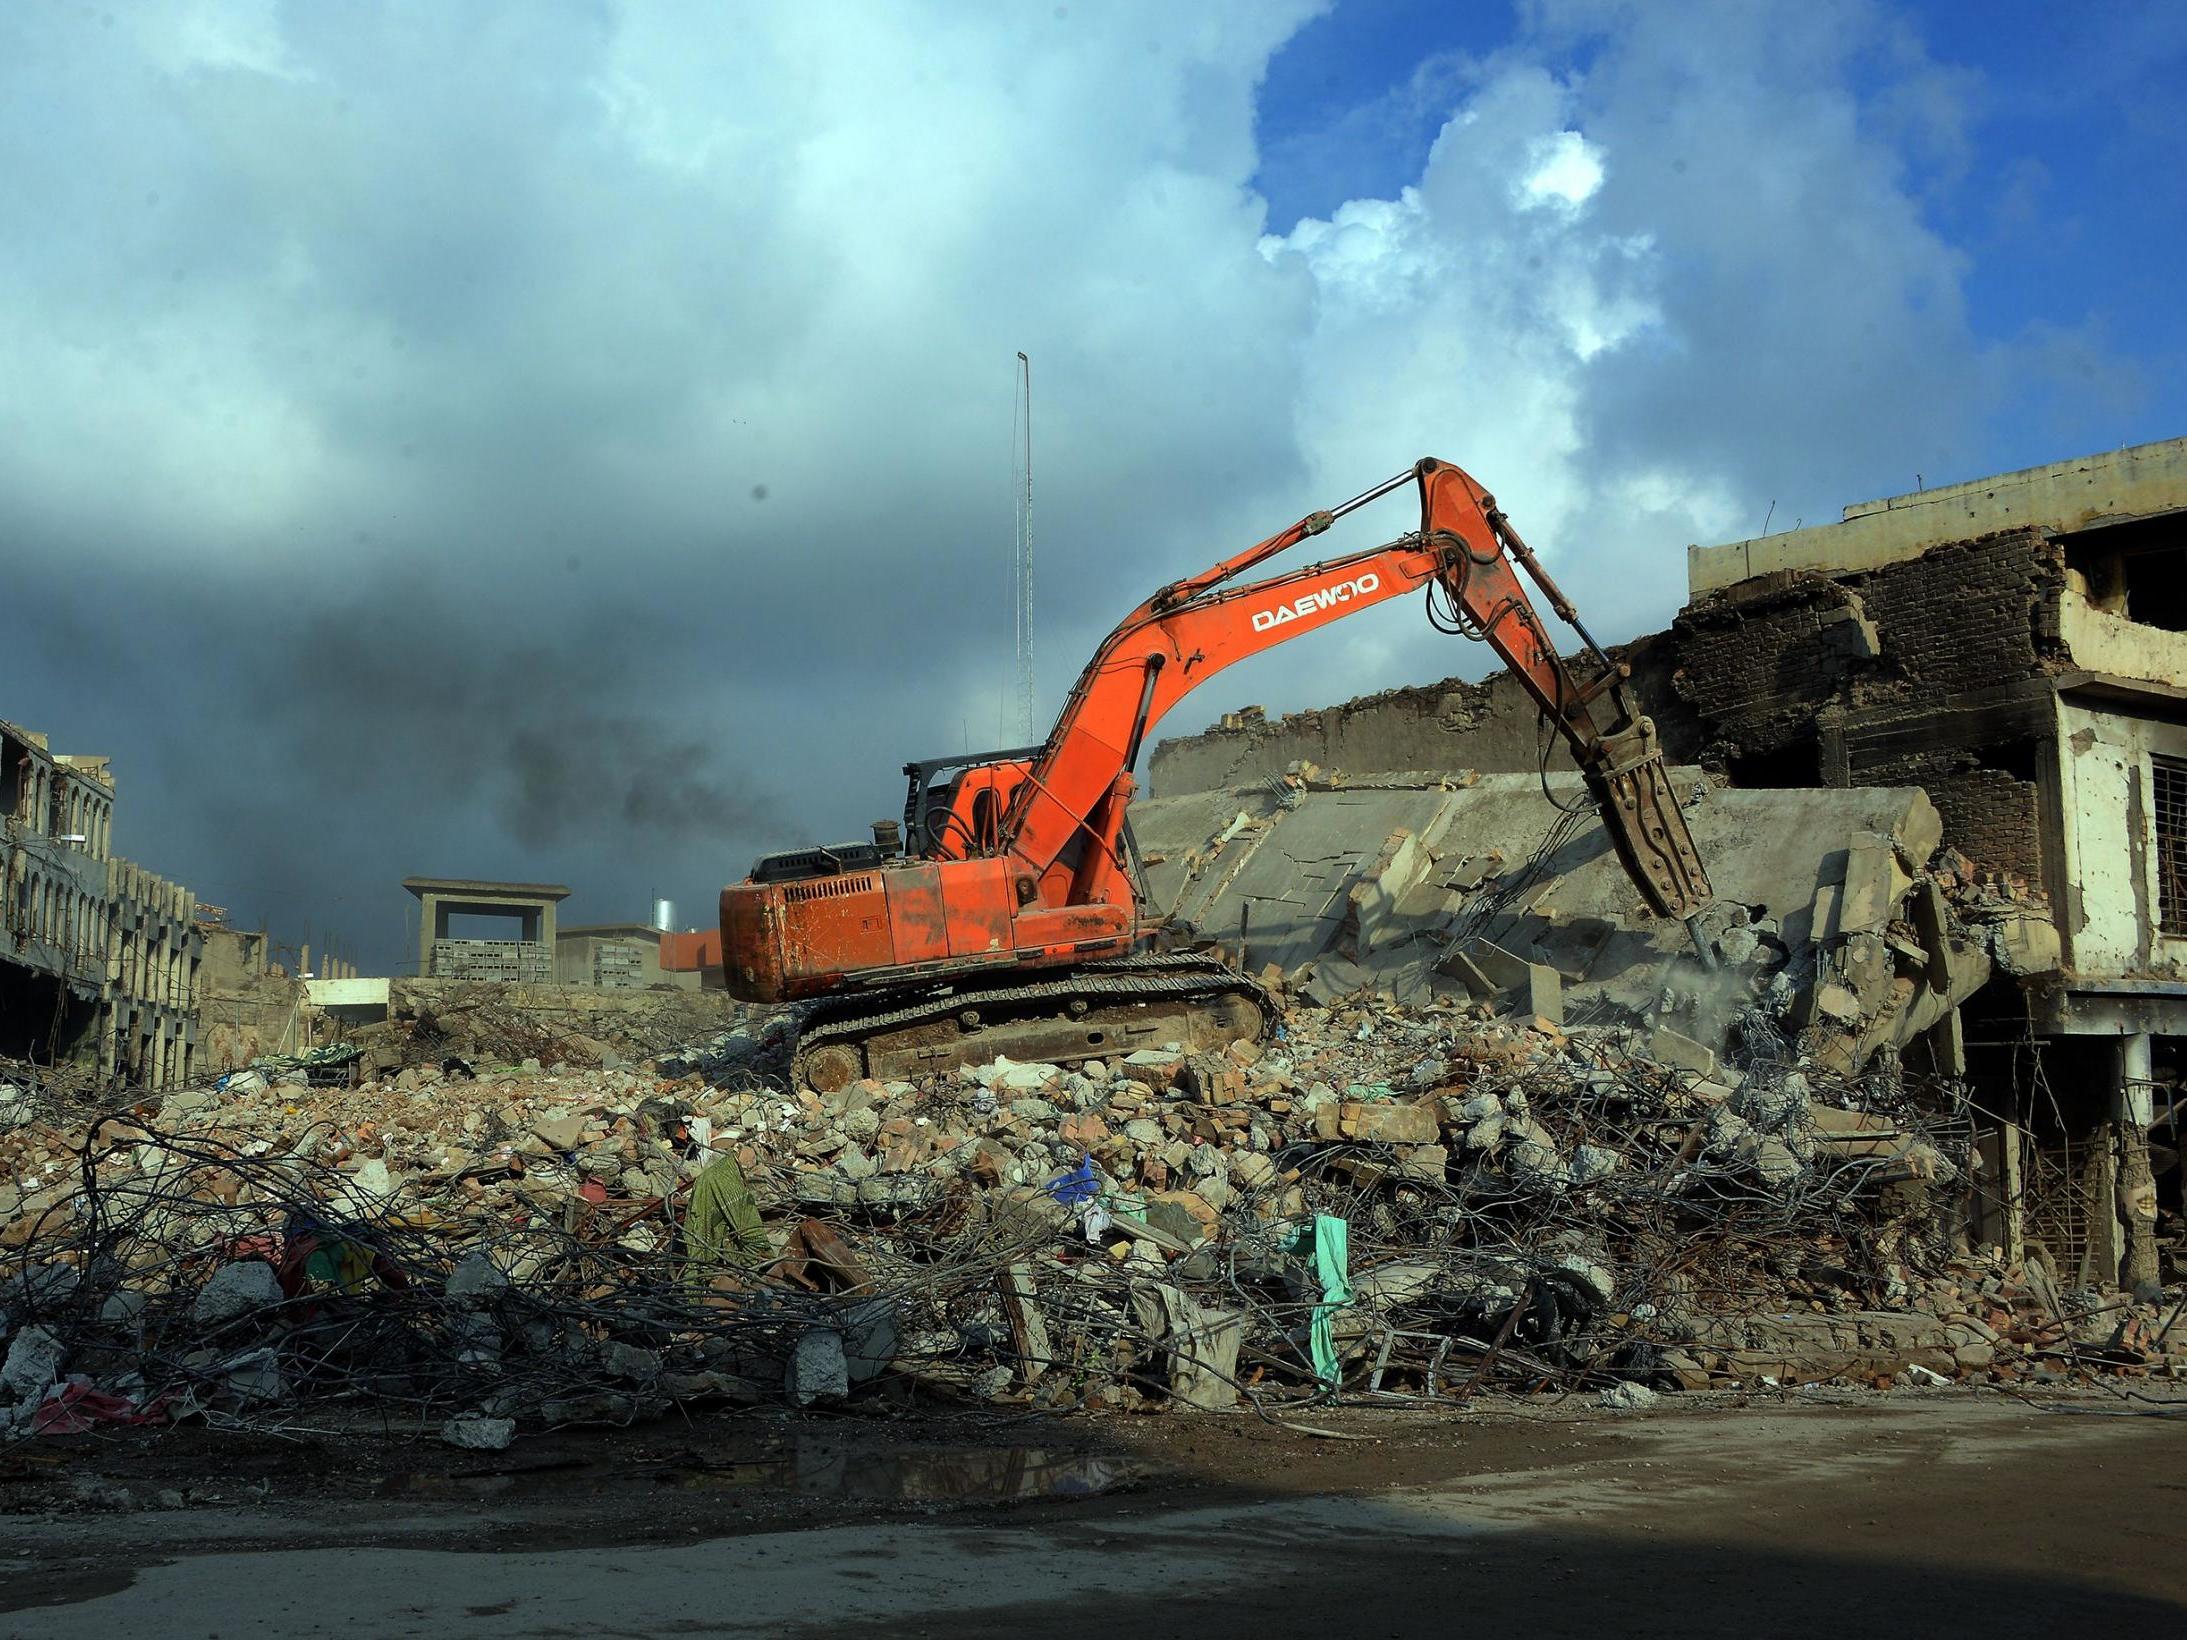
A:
1937,1516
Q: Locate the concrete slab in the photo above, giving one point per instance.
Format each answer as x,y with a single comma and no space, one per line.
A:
1286,885
1314,877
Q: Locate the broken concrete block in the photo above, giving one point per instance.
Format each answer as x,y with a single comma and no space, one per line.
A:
1592,1162
475,1434
124,1308
1462,968
2028,944
1822,921
1250,1169
565,1133
1010,1077
620,1360
1427,1163
1919,832
1837,1002
1504,970
1384,1121
476,1278
1425,902
1488,970
1868,897
1333,980
1681,1052
870,1335
33,1361
236,1290
1401,866
1774,1161
818,1370
1155,1068
1474,870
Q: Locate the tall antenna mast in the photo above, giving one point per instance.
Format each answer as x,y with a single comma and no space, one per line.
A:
1021,475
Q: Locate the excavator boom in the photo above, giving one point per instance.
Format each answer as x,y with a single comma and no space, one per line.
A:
1060,834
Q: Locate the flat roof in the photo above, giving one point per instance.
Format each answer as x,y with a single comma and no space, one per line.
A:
2088,492
481,888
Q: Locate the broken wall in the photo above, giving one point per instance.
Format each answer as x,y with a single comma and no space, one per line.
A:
247,1005
1488,887
2114,913
1492,726
1935,672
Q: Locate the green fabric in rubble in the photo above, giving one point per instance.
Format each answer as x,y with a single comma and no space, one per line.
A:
722,1224
1332,1239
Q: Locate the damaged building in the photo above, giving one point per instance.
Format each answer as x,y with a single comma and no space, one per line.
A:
1936,756
99,965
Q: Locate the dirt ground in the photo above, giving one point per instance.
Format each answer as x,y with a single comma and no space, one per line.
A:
1938,1513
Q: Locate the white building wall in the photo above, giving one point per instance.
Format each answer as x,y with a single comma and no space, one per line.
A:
2109,923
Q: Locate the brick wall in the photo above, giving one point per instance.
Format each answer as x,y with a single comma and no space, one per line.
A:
1967,616
1490,727
1990,816
1758,662
1931,673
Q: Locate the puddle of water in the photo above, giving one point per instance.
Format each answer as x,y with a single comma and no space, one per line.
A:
918,1475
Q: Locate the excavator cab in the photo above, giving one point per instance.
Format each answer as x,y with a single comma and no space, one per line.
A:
956,805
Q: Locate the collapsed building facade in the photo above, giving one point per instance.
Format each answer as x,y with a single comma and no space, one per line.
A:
1975,694
100,957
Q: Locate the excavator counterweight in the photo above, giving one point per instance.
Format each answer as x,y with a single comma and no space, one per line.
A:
1006,914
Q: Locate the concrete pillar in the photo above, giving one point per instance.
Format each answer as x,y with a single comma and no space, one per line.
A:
2106,1255
2135,1105
2137,1187
432,923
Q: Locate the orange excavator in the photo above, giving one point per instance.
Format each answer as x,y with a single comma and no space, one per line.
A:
1007,914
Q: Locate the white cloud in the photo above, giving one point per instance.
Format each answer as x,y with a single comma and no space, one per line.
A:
520,309
1565,170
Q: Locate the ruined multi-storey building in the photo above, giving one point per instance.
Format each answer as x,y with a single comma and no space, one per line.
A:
99,959
2016,648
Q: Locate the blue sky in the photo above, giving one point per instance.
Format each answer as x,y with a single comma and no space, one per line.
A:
2058,176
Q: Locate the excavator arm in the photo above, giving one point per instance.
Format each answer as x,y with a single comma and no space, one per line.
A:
1062,830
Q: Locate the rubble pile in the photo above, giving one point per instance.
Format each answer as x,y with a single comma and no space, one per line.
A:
1836,911
433,1021
1383,1204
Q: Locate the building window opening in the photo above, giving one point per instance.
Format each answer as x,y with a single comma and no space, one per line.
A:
2169,777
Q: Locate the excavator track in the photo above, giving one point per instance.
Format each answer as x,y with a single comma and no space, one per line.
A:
1089,1012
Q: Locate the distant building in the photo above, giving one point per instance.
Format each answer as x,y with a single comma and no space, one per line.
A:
528,959
616,957
697,952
